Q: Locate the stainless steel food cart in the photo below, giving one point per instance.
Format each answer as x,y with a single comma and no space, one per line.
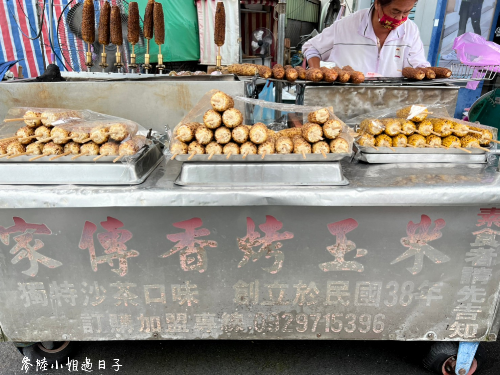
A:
404,252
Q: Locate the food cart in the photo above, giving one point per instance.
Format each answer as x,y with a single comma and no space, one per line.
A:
403,252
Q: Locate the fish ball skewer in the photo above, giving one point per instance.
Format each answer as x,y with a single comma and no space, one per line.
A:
33,118
99,135
25,135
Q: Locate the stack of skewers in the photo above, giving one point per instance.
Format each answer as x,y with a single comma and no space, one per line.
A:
43,137
223,133
413,128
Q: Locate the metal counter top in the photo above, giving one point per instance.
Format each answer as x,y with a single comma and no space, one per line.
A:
370,185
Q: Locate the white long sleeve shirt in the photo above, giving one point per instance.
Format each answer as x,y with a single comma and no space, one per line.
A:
352,41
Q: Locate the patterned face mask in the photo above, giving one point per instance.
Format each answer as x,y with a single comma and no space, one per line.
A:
391,23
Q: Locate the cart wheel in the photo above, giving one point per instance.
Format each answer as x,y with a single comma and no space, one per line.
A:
442,358
52,351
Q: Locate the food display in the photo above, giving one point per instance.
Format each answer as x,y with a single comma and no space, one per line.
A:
413,128
223,132
62,132
418,74
291,74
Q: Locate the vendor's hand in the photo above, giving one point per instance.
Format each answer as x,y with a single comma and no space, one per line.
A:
314,62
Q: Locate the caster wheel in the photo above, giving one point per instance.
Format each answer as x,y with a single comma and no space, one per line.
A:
52,351
442,359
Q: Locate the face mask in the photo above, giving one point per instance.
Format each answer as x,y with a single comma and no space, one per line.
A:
391,23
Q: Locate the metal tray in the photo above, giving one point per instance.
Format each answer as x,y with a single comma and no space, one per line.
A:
419,155
82,171
274,158
259,174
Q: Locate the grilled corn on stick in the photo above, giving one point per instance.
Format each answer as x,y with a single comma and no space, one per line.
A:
441,126
312,132
392,126
332,128
416,140
367,140
339,146
399,140
248,148
321,147
178,148
372,126
483,135
433,140
284,145
220,31
319,117
407,127
383,140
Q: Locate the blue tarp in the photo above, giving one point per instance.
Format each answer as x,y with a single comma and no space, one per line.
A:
5,66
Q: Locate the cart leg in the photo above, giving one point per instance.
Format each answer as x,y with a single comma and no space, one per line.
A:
466,353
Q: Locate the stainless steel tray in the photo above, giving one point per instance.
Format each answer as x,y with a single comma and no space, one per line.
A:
259,174
274,158
420,155
82,171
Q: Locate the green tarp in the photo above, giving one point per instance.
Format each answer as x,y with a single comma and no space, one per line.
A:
181,32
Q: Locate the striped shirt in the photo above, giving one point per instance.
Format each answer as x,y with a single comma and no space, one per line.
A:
352,41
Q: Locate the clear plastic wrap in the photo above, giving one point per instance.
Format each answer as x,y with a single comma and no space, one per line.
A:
186,130
432,117
90,131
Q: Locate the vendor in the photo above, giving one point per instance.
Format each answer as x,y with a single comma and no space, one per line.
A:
379,40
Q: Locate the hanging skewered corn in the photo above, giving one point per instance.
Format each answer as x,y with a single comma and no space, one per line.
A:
312,132
185,132
416,140
332,128
366,140
399,140
425,128
248,148
284,145
392,126
241,133
258,133
407,127
484,138
383,140
104,24
433,140
441,126
88,22
372,126
116,26
320,116
451,141
232,118
339,146
221,102
134,28
223,135
415,113
204,135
